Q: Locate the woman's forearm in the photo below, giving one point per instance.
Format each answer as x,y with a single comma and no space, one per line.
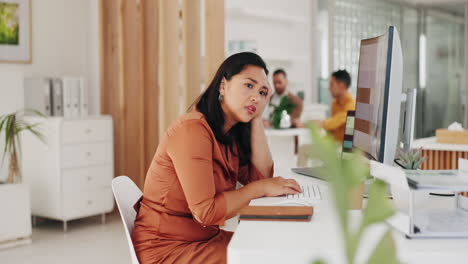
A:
240,198
271,187
261,156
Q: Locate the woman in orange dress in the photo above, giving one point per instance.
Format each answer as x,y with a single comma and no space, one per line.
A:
190,186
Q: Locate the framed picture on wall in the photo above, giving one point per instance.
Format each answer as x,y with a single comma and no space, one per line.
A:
15,31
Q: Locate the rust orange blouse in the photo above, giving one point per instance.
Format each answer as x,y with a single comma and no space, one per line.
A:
183,203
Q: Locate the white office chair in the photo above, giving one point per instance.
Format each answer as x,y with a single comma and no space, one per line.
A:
126,194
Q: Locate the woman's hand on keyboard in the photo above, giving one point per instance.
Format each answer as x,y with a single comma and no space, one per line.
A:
277,186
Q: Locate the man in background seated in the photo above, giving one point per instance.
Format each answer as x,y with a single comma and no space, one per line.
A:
280,82
342,103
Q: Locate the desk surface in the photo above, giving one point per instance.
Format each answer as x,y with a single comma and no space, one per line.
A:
287,132
296,242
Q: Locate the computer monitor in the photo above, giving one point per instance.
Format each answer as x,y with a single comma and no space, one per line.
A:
378,98
347,145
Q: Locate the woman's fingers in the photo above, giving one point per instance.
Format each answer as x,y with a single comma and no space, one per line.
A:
287,186
294,185
288,190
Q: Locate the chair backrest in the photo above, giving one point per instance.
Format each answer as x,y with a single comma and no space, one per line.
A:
126,194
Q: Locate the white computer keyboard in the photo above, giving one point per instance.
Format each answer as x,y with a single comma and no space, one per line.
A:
309,192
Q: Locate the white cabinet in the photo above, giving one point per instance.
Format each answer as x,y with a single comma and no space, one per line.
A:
15,220
70,175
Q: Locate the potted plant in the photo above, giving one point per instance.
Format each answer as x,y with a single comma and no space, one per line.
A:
409,160
14,196
11,125
284,105
345,177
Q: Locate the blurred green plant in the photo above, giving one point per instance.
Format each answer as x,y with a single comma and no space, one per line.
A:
284,104
411,159
9,23
12,125
345,176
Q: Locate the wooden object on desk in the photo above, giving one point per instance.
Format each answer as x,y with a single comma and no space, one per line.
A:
445,136
277,213
441,156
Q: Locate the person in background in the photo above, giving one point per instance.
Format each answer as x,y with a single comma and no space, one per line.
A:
280,82
342,103
190,187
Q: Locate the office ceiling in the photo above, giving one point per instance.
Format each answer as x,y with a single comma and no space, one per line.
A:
455,6
431,2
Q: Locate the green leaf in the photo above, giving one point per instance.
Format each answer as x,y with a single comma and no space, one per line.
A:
378,206
384,252
2,122
333,171
33,112
12,125
356,170
38,135
8,133
319,262
418,163
405,159
343,177
285,104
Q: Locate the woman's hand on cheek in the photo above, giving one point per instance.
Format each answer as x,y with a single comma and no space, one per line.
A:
258,116
259,113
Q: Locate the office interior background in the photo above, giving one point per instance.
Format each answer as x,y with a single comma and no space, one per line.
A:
144,62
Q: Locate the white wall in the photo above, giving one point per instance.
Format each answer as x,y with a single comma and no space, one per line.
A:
282,32
65,41
465,79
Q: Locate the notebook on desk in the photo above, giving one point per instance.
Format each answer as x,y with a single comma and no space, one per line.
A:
277,213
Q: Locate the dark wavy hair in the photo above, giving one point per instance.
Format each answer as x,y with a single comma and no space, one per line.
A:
209,105
343,76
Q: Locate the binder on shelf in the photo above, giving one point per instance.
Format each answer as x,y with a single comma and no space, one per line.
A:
76,97
71,95
57,97
83,98
37,95
67,95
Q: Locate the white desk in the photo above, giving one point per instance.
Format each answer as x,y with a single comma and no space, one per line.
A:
282,144
288,132
296,242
